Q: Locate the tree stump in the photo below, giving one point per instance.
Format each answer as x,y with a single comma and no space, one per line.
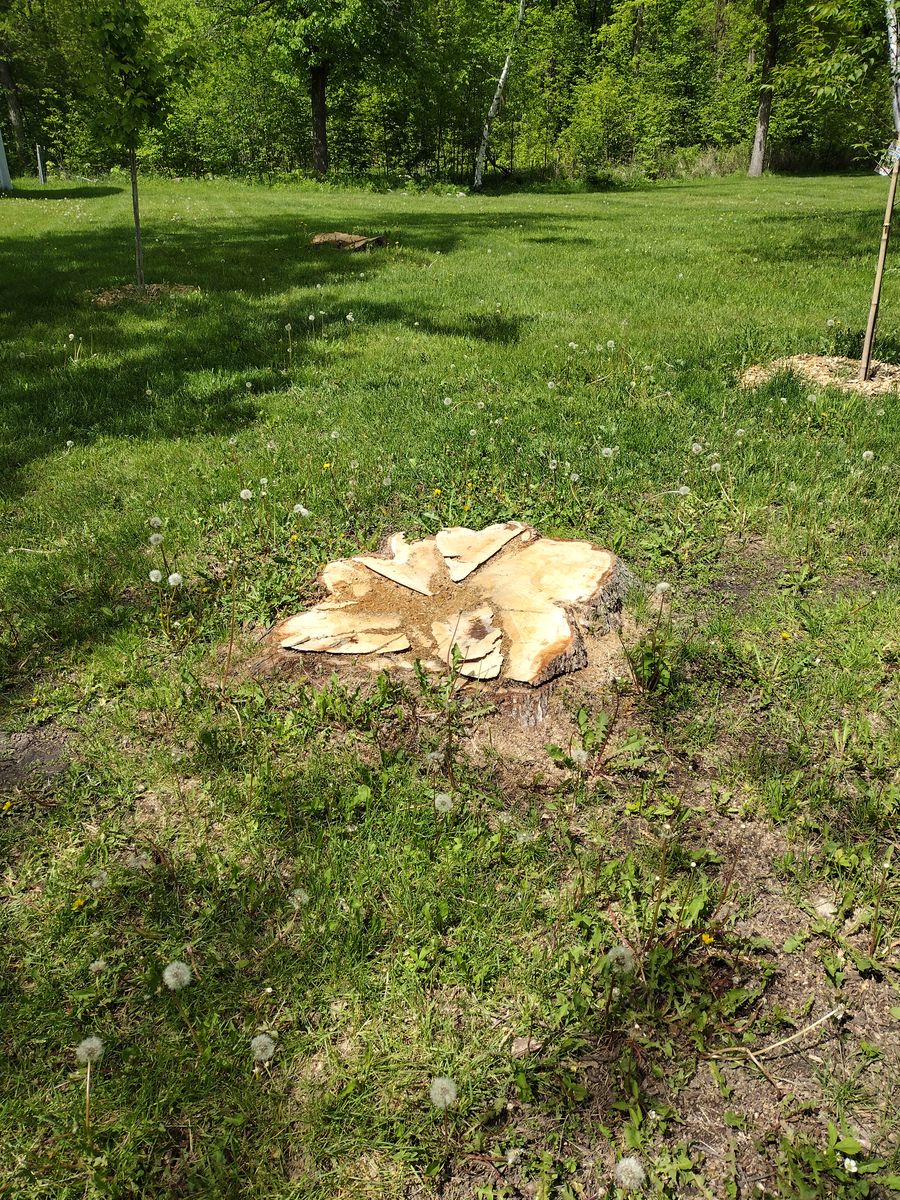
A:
349,241
502,607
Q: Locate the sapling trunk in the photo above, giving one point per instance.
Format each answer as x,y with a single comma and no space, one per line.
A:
893,35
138,245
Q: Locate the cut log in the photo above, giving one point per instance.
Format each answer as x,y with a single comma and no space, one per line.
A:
349,241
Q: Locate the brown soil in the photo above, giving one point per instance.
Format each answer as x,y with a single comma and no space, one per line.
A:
824,371
132,294
33,756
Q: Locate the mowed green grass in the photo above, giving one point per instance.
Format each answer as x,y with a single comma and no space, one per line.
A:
282,838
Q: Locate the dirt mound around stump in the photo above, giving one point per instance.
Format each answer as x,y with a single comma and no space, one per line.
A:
827,370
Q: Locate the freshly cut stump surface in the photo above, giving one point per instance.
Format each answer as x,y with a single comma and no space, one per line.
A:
511,607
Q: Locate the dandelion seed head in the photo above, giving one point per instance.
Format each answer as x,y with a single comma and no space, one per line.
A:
739,433
301,511
69,444
574,477
621,959
630,1174
101,879
573,345
830,322
696,448
262,1048
156,576
580,756
89,1050
175,580
662,587
156,539
246,494
442,1092
334,435
715,467
299,897
288,327
349,317
155,522
610,345
177,975
98,966
607,452
868,455
443,803
552,464
684,490
264,482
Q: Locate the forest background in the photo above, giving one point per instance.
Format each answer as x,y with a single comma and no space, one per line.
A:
400,88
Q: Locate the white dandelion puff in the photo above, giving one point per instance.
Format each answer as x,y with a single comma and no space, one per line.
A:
69,444
301,511
830,322
89,1050
868,455
156,539
288,327
156,576
696,448
443,803
662,587
715,467
350,317
246,494
299,897
552,464
574,477
739,433
334,435
580,756
177,975
98,966
262,1047
447,401
442,1092
610,345
629,1174
573,345
621,959
607,452
175,580
155,522
684,490
264,482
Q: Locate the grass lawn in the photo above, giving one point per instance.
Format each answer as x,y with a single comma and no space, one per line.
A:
723,819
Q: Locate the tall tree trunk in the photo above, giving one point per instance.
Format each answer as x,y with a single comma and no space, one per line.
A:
498,99
766,95
138,244
318,79
16,121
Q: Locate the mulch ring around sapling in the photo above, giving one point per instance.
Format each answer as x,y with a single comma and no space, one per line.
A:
827,370
131,293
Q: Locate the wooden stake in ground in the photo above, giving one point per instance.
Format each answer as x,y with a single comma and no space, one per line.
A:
893,32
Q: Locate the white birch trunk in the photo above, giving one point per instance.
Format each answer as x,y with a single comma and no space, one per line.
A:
498,99
893,33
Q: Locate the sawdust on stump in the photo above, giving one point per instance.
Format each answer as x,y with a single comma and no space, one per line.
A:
130,293
827,370
349,241
505,609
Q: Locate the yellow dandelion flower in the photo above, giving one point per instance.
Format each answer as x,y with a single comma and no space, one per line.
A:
7,806
785,635
437,491
326,466
706,939
293,537
78,903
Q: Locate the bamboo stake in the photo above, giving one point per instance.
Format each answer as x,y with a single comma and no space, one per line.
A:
865,361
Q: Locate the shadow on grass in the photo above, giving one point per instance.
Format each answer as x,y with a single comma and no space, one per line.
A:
36,192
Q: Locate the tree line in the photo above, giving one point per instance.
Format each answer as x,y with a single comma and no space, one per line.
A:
443,89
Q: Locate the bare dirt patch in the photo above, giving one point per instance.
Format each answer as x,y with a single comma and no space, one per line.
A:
33,756
827,370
